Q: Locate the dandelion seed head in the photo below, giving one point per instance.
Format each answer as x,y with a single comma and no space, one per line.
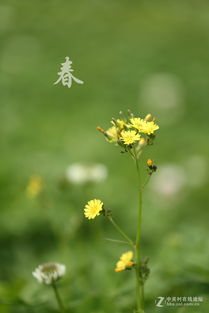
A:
169,181
49,273
79,173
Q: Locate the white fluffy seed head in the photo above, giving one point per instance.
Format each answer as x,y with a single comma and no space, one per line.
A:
49,273
79,173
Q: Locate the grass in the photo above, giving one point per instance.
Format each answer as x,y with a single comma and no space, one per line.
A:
115,48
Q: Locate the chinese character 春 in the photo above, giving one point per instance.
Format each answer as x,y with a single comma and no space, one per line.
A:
65,75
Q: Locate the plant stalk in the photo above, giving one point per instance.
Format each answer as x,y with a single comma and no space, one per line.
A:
139,282
58,298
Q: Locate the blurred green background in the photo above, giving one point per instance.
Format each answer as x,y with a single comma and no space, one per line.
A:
148,56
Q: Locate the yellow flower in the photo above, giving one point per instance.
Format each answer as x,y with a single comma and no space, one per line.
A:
129,136
35,186
137,123
93,208
124,262
120,123
112,132
149,128
143,126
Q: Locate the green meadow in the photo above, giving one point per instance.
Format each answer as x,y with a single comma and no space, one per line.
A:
147,56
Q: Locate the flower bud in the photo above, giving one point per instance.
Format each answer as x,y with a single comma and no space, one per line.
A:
149,162
142,142
100,130
148,117
152,167
103,132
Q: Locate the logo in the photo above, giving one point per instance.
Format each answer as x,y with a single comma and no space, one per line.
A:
178,301
159,301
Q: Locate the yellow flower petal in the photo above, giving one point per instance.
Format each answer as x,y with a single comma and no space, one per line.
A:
129,136
126,257
137,123
93,208
144,126
119,269
149,128
112,132
124,262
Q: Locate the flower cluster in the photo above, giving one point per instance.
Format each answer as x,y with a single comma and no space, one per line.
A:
49,273
125,262
131,132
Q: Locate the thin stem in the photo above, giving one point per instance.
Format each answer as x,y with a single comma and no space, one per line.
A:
132,154
139,282
117,241
146,181
121,232
57,296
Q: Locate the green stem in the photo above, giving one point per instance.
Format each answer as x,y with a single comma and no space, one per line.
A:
139,282
57,296
146,181
121,232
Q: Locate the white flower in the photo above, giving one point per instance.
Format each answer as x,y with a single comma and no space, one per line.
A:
49,273
79,173
163,93
98,172
169,181
76,173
